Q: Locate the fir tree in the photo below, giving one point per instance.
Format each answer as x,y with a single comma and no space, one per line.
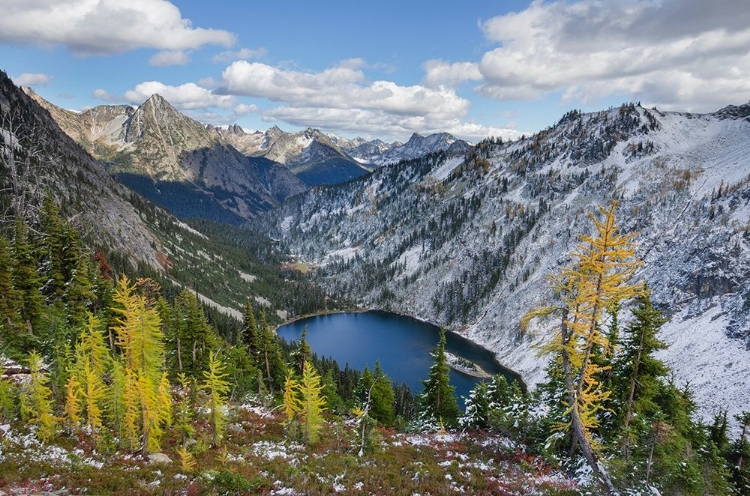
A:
302,353
477,408
382,398
250,331
438,399
26,279
637,368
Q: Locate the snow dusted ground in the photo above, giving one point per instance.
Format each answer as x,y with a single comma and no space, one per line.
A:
717,367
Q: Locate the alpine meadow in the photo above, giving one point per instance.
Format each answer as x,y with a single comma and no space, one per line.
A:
317,249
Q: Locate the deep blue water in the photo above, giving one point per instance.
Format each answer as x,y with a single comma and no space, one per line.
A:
402,344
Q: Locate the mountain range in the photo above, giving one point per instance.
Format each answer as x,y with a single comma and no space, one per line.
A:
227,174
469,241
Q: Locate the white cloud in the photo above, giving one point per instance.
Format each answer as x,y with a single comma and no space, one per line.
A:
339,87
101,94
169,57
342,99
373,123
241,54
32,79
441,73
187,96
244,108
95,27
677,54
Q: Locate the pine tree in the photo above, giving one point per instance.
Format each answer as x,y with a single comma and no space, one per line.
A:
217,387
313,404
36,401
438,399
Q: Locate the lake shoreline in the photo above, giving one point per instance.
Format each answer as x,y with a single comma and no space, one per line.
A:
461,370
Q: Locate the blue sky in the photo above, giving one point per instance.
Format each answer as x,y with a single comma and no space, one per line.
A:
384,69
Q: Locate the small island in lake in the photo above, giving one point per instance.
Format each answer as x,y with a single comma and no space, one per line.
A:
464,366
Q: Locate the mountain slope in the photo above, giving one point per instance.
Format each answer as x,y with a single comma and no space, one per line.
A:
469,242
80,185
311,155
222,264
174,161
379,153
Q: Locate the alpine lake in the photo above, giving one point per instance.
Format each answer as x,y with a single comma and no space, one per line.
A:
401,344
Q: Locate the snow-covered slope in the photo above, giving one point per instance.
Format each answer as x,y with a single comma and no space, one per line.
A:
469,243
379,153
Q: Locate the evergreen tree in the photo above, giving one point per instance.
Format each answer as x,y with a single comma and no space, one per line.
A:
269,356
382,398
639,371
438,400
477,408
26,279
8,298
301,354
739,455
250,331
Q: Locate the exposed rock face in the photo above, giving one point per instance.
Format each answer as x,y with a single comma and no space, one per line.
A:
468,241
311,155
154,148
95,202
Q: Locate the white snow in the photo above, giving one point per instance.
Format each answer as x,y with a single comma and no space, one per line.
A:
717,367
446,168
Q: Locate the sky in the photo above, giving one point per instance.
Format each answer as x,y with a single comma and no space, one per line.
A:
382,69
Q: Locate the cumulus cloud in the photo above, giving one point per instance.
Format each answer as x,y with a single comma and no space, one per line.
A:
341,87
686,54
341,98
441,73
374,123
102,94
105,26
187,96
241,54
166,58
32,79
244,108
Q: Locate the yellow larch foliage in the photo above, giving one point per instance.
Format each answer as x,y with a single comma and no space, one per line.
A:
217,386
